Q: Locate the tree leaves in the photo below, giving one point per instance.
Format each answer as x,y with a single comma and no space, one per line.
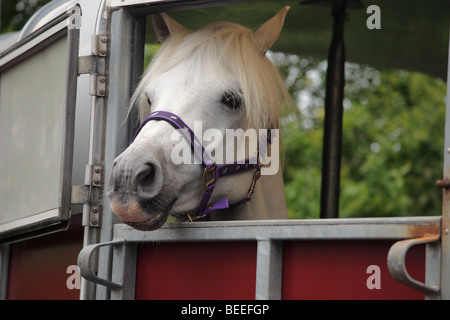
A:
14,14
392,145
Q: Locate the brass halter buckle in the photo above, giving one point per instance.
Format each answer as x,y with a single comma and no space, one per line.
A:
256,176
192,219
206,172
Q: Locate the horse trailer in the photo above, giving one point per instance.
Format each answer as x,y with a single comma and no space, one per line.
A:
65,84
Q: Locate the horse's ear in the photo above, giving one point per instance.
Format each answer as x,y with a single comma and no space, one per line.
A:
165,26
269,32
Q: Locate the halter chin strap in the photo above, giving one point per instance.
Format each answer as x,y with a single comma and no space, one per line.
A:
212,172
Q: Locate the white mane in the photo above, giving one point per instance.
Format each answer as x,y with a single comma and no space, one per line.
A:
227,50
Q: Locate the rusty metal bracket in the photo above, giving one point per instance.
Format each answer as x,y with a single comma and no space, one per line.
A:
443,184
397,267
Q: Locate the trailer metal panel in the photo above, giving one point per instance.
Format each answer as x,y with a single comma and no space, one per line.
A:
338,270
204,270
270,237
37,117
38,267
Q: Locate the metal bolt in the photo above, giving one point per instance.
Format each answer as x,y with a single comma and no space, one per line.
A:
94,221
102,92
102,80
445,184
97,181
95,210
98,170
103,40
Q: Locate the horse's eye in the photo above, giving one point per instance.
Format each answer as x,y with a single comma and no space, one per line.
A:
148,101
231,100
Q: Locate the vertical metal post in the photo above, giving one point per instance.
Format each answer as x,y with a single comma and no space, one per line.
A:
4,270
73,44
124,271
332,141
126,34
95,158
445,244
269,270
433,268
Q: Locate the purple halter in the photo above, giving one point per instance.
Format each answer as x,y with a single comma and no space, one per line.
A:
212,171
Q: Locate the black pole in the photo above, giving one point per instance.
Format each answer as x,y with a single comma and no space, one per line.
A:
332,140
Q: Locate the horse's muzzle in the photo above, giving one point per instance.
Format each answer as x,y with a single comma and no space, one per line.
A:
134,187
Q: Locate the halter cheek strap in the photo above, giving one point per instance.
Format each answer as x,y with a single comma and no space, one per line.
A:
212,172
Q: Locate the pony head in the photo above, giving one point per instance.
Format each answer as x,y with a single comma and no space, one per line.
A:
217,77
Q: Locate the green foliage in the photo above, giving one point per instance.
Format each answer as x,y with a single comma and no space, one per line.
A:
149,53
15,13
393,136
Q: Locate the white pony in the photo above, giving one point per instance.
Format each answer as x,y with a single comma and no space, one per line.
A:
220,77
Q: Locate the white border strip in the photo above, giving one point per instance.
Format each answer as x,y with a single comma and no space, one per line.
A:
50,215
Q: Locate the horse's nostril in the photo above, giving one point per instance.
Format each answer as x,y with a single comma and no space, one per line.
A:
148,175
146,180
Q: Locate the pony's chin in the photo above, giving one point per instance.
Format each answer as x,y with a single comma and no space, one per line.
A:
154,222
141,214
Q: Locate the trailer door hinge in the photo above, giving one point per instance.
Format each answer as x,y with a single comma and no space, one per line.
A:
94,180
99,45
93,176
90,195
93,65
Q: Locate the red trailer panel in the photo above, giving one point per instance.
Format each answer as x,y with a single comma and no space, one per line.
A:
38,267
205,270
338,270
311,270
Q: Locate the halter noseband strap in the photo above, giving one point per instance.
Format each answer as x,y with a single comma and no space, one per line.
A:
212,172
